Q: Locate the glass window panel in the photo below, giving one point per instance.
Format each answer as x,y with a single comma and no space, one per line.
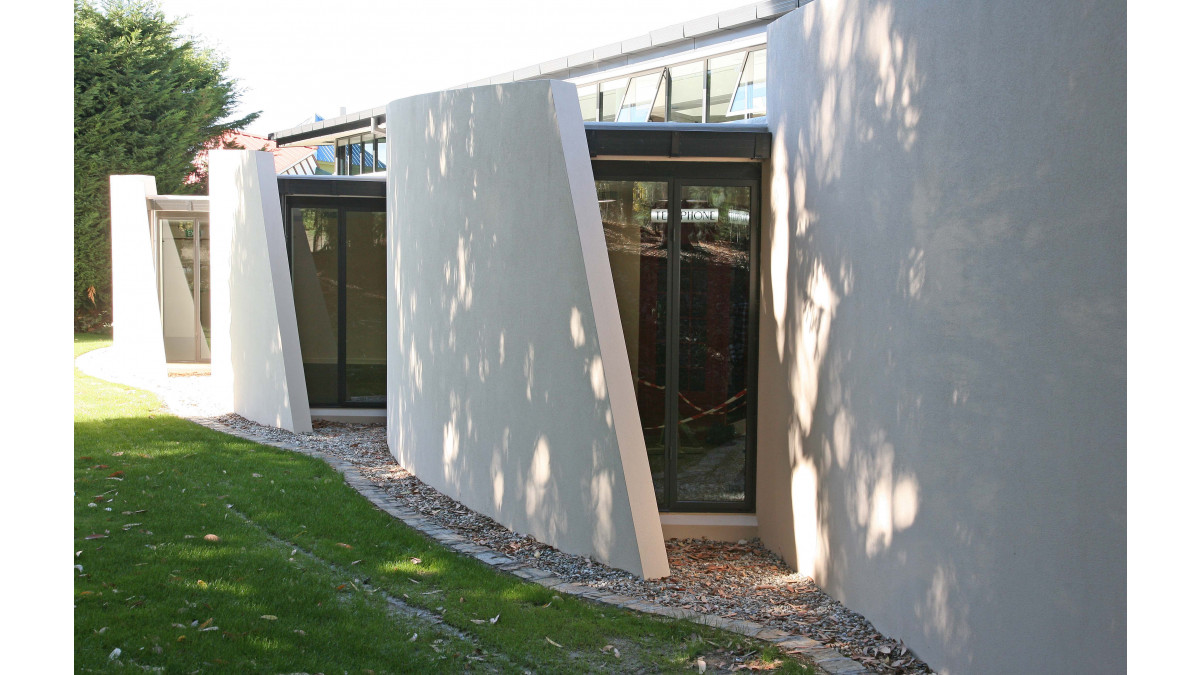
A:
381,154
723,72
315,290
177,283
635,232
714,341
611,93
639,98
587,102
658,112
366,297
205,296
368,155
355,152
751,94
687,93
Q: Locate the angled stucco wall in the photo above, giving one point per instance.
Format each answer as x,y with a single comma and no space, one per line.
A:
255,344
509,387
942,401
137,325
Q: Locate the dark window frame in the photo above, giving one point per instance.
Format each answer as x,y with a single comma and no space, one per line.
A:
698,174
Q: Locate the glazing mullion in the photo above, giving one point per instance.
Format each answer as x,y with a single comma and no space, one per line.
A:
671,437
341,338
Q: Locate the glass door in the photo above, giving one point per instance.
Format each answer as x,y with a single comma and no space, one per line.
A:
682,252
338,254
183,286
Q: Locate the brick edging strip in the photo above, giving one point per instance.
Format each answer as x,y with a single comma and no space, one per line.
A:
825,660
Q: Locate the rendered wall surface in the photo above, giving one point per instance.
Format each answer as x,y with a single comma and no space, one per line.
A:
942,396
255,343
137,326
509,387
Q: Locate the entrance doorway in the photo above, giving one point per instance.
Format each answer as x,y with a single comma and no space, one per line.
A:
338,254
682,242
181,262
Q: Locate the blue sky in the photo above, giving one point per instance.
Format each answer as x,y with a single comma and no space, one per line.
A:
313,56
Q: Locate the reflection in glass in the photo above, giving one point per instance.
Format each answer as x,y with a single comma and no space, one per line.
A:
177,283
723,74
751,94
640,97
714,322
366,295
315,289
355,153
687,93
587,102
611,93
638,253
381,154
203,290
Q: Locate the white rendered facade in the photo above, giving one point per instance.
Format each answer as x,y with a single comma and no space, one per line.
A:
940,430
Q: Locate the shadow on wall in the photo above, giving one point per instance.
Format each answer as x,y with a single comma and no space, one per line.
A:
944,323
499,364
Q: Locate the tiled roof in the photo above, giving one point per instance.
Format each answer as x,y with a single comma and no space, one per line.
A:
284,157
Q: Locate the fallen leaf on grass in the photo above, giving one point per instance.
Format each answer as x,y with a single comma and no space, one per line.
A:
355,562
554,643
269,617
114,654
201,583
299,632
494,619
206,624
96,536
413,638
478,621
344,545
202,630
415,561
207,537
610,648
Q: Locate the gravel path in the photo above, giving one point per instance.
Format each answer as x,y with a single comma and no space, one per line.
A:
740,580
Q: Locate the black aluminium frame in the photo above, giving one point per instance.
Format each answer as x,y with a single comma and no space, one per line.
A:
678,174
343,195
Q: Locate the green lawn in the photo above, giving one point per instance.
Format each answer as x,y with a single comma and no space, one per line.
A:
204,551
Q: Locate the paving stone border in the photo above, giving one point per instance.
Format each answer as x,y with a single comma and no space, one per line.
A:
826,661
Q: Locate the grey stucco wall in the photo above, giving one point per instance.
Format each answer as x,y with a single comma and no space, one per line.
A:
942,396
508,384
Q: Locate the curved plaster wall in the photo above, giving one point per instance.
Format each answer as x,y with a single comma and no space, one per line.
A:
509,387
255,342
943,341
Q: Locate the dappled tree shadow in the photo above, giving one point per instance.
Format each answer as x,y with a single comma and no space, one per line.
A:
943,322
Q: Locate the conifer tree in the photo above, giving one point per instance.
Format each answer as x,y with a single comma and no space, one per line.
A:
147,99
